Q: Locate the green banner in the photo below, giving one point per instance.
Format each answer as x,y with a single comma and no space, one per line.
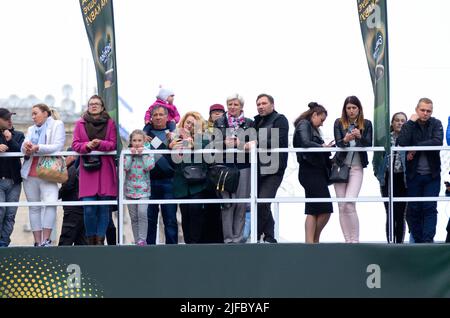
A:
374,30
99,22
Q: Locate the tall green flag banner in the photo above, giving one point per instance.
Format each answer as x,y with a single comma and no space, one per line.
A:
99,22
374,30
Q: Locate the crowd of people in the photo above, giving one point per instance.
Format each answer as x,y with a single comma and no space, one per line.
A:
187,175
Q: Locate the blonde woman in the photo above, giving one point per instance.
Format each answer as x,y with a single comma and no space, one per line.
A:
46,136
189,136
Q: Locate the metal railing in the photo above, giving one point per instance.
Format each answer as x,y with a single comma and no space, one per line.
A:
253,199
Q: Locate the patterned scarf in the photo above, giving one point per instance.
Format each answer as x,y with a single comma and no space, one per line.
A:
234,122
398,167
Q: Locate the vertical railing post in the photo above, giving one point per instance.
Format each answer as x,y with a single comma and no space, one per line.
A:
253,194
390,216
277,219
121,197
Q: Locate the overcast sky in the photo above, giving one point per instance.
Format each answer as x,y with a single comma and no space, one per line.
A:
205,50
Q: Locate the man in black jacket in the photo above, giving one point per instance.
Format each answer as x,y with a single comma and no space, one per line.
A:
10,179
273,131
423,170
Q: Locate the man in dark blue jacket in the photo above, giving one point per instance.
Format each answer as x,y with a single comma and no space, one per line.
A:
423,170
161,178
10,180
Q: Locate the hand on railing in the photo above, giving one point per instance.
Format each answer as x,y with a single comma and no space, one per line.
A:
249,145
30,148
136,151
94,143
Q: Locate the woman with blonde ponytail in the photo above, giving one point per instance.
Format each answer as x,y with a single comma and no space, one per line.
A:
46,136
55,114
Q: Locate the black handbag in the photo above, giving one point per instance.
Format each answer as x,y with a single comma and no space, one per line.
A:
339,174
195,173
224,178
92,163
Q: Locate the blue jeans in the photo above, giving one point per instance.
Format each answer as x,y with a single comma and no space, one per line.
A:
162,189
422,216
9,192
96,217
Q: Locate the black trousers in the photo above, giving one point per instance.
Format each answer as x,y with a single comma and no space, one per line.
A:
447,239
193,219
72,232
267,188
212,232
399,207
111,231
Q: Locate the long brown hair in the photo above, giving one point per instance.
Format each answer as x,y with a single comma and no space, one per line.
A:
344,118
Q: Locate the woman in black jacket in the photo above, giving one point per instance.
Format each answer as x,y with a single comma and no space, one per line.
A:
313,169
351,130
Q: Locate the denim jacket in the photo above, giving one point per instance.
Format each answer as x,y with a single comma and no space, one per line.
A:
384,166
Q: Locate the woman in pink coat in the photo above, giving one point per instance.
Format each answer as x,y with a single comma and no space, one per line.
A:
96,131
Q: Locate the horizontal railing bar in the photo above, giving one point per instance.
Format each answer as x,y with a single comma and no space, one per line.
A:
58,203
323,149
359,199
59,153
212,201
261,150
186,201
421,148
420,199
319,200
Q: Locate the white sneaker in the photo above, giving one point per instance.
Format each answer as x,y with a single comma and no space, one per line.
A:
46,243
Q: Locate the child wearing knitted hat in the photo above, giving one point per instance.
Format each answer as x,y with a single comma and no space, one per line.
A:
165,97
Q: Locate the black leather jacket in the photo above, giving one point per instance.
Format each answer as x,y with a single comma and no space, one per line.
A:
304,137
365,141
